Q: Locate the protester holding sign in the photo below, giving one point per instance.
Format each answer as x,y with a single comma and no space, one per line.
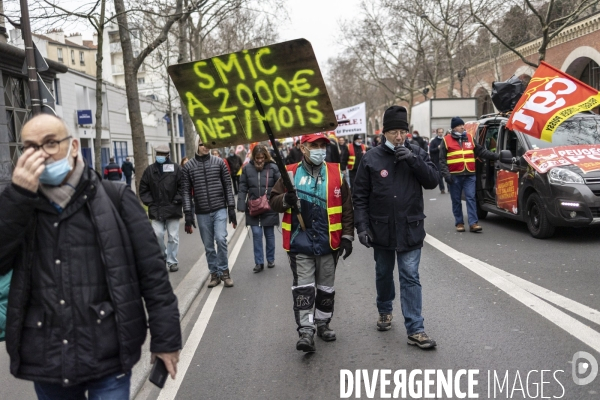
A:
457,163
326,208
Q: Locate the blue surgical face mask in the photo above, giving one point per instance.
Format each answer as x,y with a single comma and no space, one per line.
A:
317,156
389,144
56,172
161,159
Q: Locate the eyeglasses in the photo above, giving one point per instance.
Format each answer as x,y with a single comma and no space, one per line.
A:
51,147
395,132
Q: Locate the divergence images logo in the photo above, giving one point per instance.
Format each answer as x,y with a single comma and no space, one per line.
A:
581,368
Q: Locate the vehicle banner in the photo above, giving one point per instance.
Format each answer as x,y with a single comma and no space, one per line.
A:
219,94
550,98
356,117
507,191
586,157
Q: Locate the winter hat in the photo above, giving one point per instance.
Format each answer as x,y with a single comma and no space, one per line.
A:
456,121
356,137
395,117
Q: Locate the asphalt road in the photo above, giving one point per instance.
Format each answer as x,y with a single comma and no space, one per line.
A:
247,342
247,350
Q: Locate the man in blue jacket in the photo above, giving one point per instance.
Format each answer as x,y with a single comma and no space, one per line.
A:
388,215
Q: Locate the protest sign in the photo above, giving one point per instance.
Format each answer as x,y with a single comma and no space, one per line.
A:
218,94
507,191
356,117
586,157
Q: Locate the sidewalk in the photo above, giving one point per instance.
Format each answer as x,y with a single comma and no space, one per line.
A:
186,290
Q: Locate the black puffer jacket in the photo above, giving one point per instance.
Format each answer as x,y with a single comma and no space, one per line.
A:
209,179
161,191
388,197
80,281
253,186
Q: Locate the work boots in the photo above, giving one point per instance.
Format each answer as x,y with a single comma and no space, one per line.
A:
325,332
475,228
227,281
460,227
214,280
306,343
258,268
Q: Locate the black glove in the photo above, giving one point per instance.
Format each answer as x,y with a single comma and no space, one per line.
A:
189,221
449,179
365,238
403,153
345,248
232,216
290,198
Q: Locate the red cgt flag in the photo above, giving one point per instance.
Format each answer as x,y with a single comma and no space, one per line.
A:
550,98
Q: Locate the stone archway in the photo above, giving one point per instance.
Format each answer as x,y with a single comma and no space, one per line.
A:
584,64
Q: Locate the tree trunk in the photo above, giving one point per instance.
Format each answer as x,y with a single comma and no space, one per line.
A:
133,97
188,125
99,82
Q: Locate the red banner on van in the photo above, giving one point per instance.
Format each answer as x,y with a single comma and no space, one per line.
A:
586,157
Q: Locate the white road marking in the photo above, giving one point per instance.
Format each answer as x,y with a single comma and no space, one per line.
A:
171,388
520,289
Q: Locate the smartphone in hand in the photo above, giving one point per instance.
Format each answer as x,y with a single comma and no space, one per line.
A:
159,373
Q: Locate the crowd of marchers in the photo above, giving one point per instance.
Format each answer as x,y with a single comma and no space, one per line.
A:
84,267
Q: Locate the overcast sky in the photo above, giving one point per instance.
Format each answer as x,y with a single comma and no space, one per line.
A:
318,21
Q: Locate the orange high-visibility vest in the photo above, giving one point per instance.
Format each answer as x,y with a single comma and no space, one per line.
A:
334,207
460,158
352,156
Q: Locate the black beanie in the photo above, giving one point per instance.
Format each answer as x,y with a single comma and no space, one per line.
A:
456,121
356,137
395,117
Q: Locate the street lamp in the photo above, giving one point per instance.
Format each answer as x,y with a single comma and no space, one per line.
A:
461,75
425,91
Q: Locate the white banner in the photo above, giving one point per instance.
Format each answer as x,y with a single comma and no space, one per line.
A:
357,120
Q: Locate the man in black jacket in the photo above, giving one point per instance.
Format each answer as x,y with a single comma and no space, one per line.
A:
235,163
85,262
388,215
128,170
208,178
295,155
419,141
112,171
160,191
434,153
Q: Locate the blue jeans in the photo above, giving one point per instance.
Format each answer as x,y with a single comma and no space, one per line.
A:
172,228
128,180
213,228
257,234
410,287
466,183
115,386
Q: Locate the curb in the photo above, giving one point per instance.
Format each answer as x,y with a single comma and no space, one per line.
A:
186,293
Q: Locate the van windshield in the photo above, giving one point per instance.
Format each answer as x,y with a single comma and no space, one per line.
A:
579,129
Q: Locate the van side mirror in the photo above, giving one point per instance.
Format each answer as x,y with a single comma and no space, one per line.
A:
506,157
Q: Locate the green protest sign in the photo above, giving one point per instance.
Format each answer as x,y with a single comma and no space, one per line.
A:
219,94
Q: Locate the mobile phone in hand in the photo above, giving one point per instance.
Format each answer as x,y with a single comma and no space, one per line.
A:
159,373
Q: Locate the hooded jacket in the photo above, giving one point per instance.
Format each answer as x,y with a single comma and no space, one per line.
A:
388,197
80,281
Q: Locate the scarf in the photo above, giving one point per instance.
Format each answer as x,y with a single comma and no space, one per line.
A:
61,195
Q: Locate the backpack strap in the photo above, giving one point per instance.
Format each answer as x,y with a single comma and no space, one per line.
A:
114,192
